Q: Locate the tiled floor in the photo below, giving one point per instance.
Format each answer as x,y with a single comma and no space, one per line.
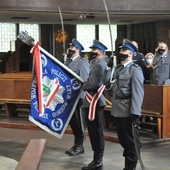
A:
14,141
7,163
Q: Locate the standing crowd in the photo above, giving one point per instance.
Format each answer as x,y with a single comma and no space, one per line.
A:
125,84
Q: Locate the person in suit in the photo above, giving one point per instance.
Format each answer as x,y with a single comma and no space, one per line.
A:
80,66
128,94
161,65
91,87
139,58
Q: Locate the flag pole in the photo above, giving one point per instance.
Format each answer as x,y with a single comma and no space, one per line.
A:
111,39
63,31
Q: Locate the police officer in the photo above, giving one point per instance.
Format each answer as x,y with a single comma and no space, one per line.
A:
161,65
81,67
139,58
94,82
127,100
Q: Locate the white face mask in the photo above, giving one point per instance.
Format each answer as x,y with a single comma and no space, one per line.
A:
149,61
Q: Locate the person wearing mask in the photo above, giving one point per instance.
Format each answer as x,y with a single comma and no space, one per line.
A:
148,74
86,56
128,93
94,104
80,66
161,65
139,58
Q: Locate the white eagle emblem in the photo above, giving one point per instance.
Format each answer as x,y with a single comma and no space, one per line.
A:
52,93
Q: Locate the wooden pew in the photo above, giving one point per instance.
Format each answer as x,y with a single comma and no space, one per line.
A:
108,120
15,89
31,157
11,105
157,103
157,115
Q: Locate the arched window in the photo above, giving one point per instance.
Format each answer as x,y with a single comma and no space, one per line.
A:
104,35
8,36
32,29
86,35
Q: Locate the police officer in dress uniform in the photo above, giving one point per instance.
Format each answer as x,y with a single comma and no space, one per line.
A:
161,65
128,93
139,58
94,82
81,67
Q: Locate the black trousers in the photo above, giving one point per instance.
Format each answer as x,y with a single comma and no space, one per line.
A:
126,139
95,130
76,127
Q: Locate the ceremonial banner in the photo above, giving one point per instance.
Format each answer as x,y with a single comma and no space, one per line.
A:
55,92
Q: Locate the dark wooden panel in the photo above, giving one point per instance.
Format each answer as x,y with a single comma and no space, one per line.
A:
157,98
153,97
6,87
166,111
22,89
15,85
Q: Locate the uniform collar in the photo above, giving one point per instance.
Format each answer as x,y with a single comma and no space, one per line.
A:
127,63
74,58
165,55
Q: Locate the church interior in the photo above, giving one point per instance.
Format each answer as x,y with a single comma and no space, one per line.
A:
146,22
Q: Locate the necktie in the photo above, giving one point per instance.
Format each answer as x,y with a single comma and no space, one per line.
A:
121,67
68,61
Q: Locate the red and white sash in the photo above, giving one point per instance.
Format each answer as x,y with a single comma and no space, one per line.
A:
93,101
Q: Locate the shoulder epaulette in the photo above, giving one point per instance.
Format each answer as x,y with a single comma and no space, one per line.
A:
140,53
82,58
135,65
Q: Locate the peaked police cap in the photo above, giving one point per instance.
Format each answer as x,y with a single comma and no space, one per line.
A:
77,44
97,44
128,45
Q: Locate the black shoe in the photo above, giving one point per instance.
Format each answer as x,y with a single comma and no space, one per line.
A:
130,165
75,150
94,165
126,168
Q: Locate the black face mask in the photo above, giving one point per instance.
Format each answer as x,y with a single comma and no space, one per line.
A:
68,56
161,51
123,56
93,55
71,52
